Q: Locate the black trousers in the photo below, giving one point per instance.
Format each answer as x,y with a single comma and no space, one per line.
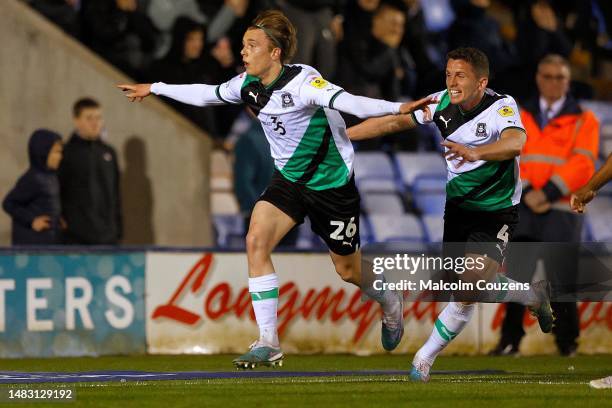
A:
561,264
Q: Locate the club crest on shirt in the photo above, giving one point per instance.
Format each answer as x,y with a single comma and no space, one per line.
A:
481,130
505,111
287,100
318,83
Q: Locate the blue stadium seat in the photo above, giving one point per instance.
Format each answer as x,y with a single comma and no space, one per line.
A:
429,193
597,218
390,228
434,227
413,165
365,230
605,148
229,231
602,110
374,172
382,203
306,237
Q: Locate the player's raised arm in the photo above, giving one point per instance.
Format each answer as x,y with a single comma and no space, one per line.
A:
375,127
192,94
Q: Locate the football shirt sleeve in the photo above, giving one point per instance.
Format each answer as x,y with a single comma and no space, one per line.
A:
319,92
202,94
507,115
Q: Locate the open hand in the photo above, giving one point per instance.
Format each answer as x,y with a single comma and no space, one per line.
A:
421,104
580,198
459,151
135,92
41,223
537,201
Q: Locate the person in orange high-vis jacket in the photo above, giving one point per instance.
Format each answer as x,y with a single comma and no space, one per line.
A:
557,160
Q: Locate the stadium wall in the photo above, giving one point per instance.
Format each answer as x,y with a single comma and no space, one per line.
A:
176,301
164,159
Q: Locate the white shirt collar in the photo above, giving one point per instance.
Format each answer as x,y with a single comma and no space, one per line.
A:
555,108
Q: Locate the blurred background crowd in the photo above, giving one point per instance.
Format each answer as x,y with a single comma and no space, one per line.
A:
390,49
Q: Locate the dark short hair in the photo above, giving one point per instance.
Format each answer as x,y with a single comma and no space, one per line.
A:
473,56
83,103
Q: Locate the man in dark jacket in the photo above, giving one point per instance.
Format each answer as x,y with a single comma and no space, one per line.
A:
34,202
89,181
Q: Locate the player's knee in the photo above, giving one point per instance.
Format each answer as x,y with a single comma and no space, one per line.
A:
346,272
256,243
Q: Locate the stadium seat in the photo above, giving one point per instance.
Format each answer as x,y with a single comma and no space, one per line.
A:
374,172
599,225
229,231
606,129
428,193
597,218
434,227
602,110
413,165
382,203
605,148
388,228
365,232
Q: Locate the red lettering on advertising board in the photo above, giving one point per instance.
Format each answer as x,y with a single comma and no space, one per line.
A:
321,304
170,310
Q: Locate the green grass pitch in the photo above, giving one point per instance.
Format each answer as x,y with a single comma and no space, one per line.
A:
544,381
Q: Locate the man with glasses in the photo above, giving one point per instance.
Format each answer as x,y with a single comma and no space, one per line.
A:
557,160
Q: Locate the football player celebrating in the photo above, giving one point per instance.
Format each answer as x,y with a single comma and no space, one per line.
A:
314,168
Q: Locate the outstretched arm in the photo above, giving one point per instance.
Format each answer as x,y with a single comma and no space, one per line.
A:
194,94
584,195
375,127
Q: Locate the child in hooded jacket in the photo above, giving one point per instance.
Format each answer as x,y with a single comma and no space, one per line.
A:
34,202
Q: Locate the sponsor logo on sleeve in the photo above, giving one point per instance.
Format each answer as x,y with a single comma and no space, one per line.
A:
318,83
505,111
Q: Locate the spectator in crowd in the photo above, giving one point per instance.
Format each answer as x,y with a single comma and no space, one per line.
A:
164,13
375,65
428,49
121,32
473,27
229,20
184,62
316,22
557,160
89,181
34,202
592,29
540,32
357,20
64,13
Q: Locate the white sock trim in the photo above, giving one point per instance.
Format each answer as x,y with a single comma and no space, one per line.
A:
263,283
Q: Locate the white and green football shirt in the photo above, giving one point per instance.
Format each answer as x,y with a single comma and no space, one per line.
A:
480,185
307,137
